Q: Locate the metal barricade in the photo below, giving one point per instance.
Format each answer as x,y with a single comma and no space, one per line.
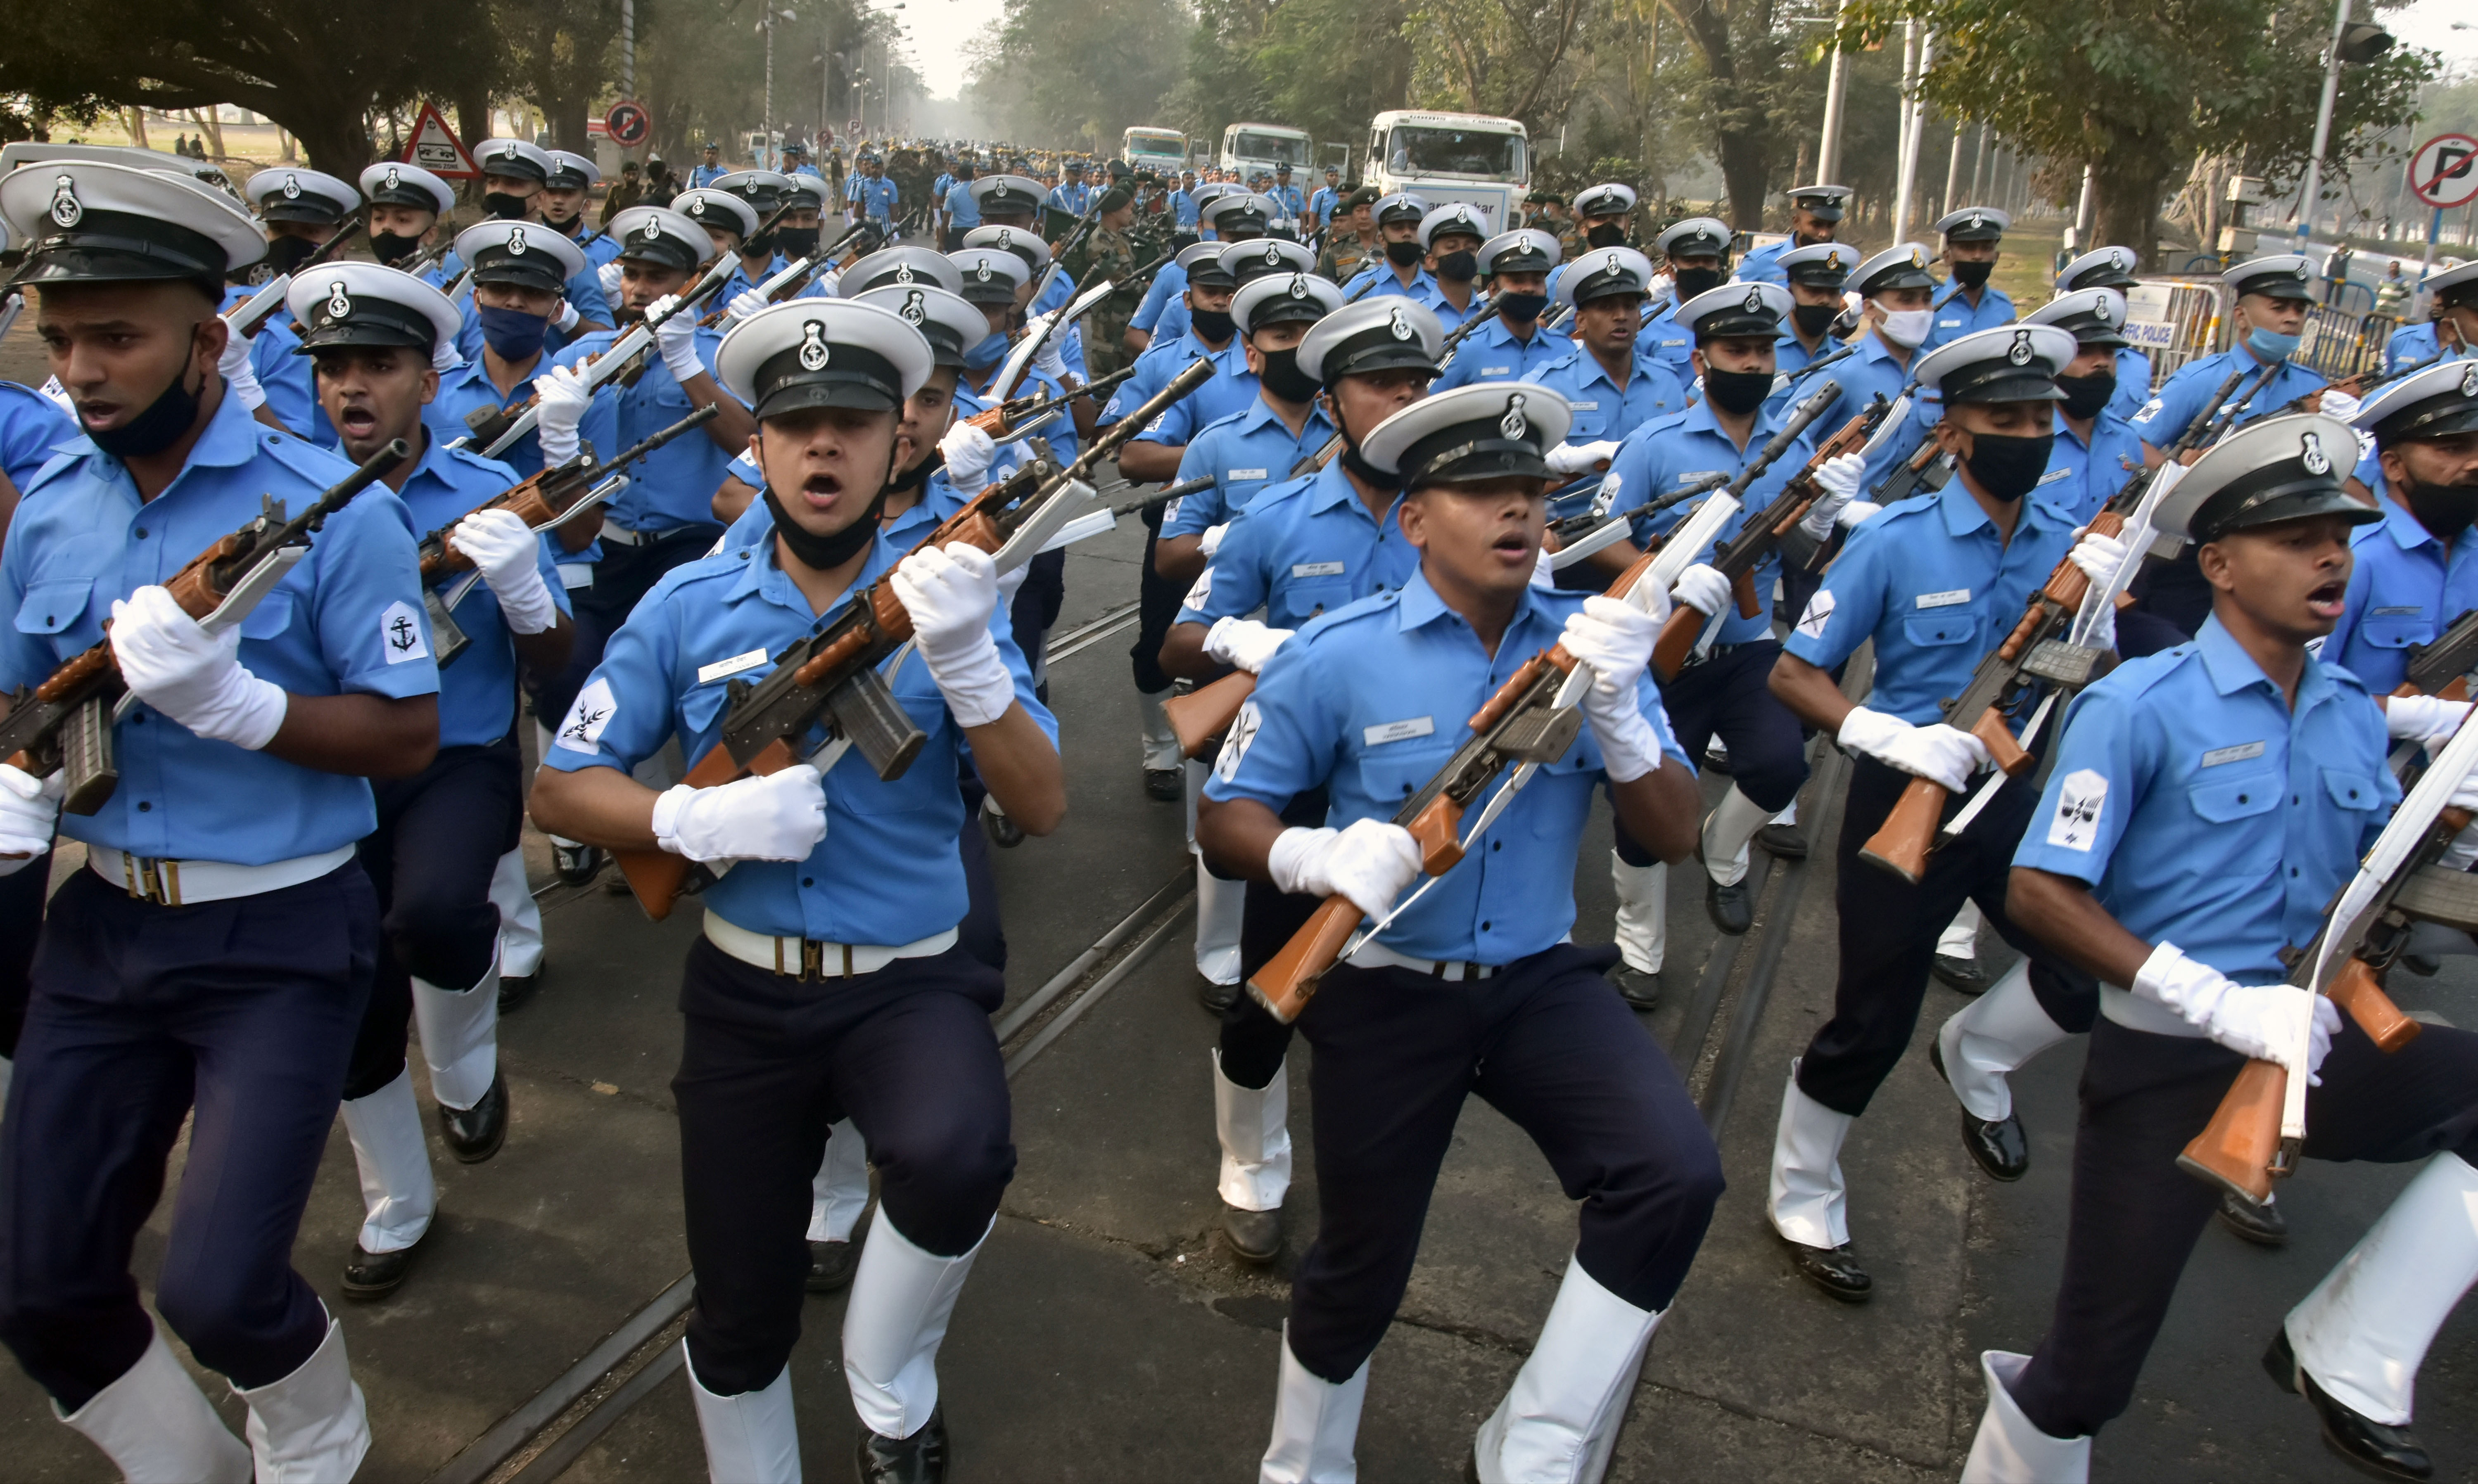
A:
2336,343
2175,321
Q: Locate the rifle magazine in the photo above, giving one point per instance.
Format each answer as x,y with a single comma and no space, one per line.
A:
866,714
90,774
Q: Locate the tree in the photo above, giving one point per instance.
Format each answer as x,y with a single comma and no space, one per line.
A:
1081,71
560,57
316,67
2136,88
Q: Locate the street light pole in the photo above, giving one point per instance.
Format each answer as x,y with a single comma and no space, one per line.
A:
2322,124
1837,89
765,124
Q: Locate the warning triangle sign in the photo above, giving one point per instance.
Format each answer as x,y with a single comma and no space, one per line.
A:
435,148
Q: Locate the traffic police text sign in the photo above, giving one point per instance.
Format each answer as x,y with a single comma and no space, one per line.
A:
2444,170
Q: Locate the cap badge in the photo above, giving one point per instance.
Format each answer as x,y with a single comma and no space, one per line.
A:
981,272
1918,259
813,344
392,180
1007,238
1832,261
1610,265
903,273
2299,270
2123,260
1462,214
1272,254
652,229
1512,424
2099,307
65,210
516,240
2020,353
1755,304
2470,380
339,307
2310,453
1976,221
1299,285
914,309
508,151
697,208
1400,324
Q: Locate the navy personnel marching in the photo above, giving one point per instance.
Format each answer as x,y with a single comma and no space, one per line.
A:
1450,235
1516,266
2452,328
1894,288
1815,275
562,205
212,962
1398,227
895,1032
407,203
1967,305
303,210
1612,386
518,271
2416,570
1695,254
2112,268
1814,217
514,176
2096,450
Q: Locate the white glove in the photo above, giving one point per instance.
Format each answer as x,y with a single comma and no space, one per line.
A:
567,319
747,302
508,553
2423,719
1544,568
1575,458
1615,637
2463,852
969,452
1244,642
30,809
1857,513
1211,541
676,338
2337,403
562,397
1370,863
1838,481
1702,587
2098,555
950,594
609,276
780,816
2259,1020
1051,359
238,374
1942,754
445,358
189,675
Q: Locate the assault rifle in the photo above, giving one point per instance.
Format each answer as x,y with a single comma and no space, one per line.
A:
2441,668
65,724
831,678
1019,359
251,314
794,278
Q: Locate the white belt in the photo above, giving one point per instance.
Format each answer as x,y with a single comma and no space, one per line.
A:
1373,954
622,536
805,957
188,883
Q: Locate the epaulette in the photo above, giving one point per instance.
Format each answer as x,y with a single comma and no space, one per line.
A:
1353,611
491,466
320,466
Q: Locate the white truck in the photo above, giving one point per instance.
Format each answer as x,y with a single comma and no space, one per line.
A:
1251,149
1444,158
1154,149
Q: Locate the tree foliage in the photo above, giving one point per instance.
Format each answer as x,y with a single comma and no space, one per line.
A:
1079,72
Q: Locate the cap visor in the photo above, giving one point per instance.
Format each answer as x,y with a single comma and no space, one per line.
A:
868,396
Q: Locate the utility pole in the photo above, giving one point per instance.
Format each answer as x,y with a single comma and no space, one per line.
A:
1837,91
1914,52
2322,124
1953,170
629,48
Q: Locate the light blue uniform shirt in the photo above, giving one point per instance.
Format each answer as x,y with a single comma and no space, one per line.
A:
2162,419
1378,280
674,485
963,212
2133,382
1370,701
282,375
1953,317
1665,340
1292,202
1492,353
1930,584
2405,588
1762,266
2415,345
874,197
2080,476
477,693
1321,206
704,175
1685,448
1302,547
1184,211
1232,388
2203,811
464,390
600,248
31,426
1069,196
887,871
1242,454
1869,372
1600,409
1448,314
1161,361
346,618
1163,313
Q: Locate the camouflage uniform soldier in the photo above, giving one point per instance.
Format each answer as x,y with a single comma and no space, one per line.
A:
1351,241
1107,253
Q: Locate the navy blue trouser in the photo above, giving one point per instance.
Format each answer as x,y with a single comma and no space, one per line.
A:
768,1064
21,923
245,1010
2135,1215
1729,696
1546,1043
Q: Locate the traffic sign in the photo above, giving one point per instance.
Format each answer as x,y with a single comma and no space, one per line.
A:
2444,170
435,147
628,123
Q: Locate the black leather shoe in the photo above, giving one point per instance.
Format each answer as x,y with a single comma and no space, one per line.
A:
1003,832
2263,1225
1963,974
1639,988
2002,1148
474,1134
1217,997
1717,759
1727,907
576,865
376,1274
918,1459
516,988
831,1265
1783,842
1834,1270
1166,784
2379,1448
1257,1236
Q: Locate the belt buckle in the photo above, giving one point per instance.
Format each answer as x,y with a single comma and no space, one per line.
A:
151,880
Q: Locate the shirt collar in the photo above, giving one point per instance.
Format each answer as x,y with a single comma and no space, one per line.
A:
1963,513
1333,488
2232,669
1420,606
231,436
2404,528
762,575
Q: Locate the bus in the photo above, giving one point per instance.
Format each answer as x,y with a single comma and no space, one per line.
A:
1154,149
1250,148
1445,158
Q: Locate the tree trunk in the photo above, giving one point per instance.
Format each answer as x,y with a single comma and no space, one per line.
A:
2129,202
213,128
134,119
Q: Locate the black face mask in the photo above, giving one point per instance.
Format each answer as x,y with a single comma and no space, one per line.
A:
1520,307
1972,275
1738,392
158,427
284,254
1211,324
2086,396
1368,473
914,477
1403,254
505,207
391,249
1813,320
1458,268
2007,467
2444,510
825,553
1608,233
1694,280
1283,378
797,242
762,245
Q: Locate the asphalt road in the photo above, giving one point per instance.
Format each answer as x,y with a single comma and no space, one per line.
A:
1107,1335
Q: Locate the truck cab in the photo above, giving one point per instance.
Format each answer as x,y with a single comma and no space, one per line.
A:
1445,158
1254,148
1154,149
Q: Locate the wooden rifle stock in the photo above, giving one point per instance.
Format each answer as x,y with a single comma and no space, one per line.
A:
1205,712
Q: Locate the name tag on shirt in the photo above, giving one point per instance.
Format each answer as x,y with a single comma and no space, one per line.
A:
1584,407
1957,597
2051,476
1495,370
2378,613
2236,754
1692,475
1317,570
720,670
1243,473
1398,731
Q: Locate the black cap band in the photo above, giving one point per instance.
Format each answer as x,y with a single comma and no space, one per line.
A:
526,270
2434,417
367,321
1376,348
2283,489
121,246
650,244
816,374
1467,452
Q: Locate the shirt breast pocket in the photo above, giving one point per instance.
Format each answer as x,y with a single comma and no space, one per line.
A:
53,607
1305,598
2351,790
2397,631
1931,630
1588,422
2230,832
1392,772
272,616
